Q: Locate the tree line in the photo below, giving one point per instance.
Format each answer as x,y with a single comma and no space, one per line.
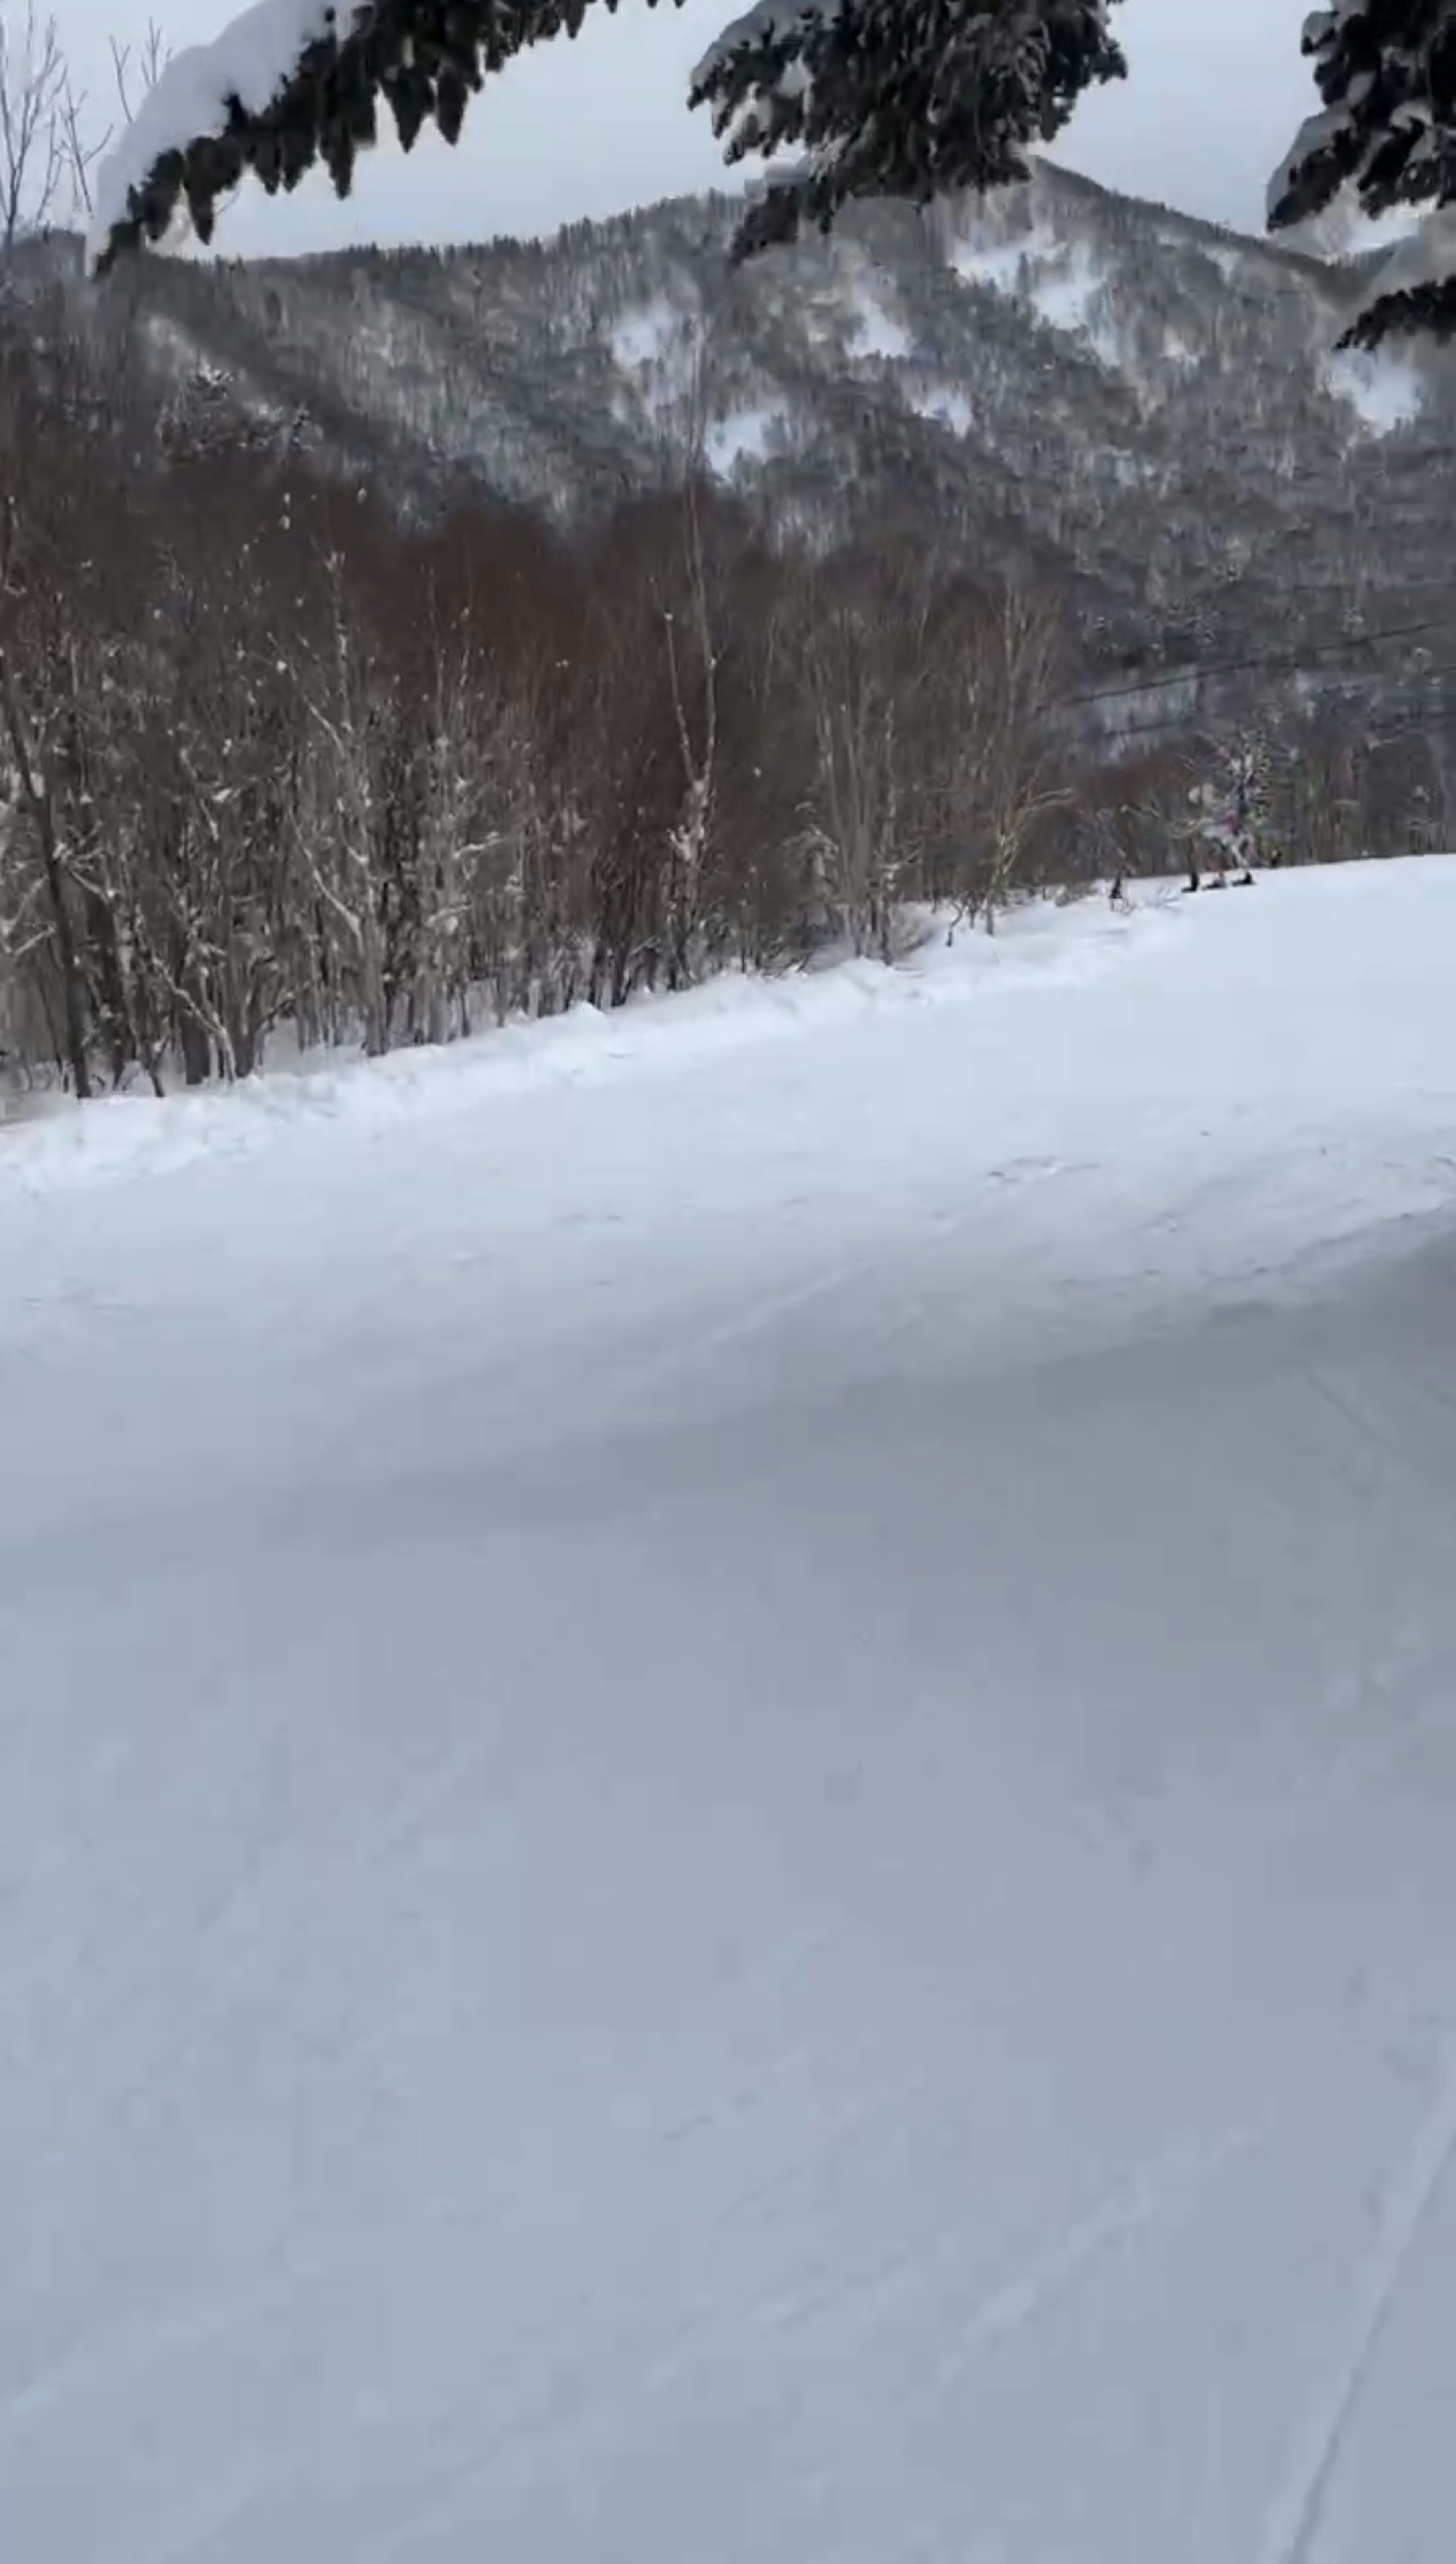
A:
270,760
276,768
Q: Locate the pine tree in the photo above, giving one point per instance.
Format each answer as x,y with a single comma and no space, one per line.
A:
877,97
1386,134
1386,73
888,99
897,98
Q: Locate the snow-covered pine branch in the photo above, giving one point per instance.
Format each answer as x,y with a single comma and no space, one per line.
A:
871,97
886,96
289,82
888,99
1385,131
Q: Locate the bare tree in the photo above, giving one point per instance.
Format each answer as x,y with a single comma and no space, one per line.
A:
137,69
860,663
80,144
33,90
38,802
1001,778
83,141
693,676
337,823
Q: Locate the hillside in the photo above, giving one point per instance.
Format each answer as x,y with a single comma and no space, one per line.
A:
394,667
1123,398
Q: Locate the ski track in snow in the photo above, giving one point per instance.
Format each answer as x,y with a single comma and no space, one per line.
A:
1298,2514
728,1756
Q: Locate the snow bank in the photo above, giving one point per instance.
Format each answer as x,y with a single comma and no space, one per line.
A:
692,1871
61,1143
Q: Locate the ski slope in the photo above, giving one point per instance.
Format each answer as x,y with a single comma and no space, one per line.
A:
728,1775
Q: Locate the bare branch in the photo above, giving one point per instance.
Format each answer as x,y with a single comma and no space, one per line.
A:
80,148
32,139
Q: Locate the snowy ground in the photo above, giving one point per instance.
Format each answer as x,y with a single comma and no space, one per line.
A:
728,1775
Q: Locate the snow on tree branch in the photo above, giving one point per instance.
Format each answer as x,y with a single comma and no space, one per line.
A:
886,96
1386,73
888,100
871,97
1413,290
292,81
1387,128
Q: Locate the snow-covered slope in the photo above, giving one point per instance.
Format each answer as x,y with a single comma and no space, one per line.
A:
729,1764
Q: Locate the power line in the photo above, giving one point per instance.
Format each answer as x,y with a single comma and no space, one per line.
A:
1286,661
1413,721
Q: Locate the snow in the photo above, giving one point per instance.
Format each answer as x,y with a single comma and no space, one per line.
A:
729,1745
999,263
647,332
1388,230
878,333
1384,389
1066,297
743,436
249,59
765,23
945,403
1059,279
1343,230
1311,140
1424,258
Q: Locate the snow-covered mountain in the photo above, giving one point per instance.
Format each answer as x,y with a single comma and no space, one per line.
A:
1062,378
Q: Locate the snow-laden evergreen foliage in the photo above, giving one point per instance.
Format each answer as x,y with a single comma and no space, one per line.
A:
896,98
891,101
877,97
1387,131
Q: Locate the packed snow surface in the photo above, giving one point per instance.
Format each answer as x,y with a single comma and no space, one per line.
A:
730,1771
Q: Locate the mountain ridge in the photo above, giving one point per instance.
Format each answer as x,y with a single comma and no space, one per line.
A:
1136,406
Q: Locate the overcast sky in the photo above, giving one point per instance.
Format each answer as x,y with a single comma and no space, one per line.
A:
591,128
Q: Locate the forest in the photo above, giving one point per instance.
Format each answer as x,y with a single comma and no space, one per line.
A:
281,768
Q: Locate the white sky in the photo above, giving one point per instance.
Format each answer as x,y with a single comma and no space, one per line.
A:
591,128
